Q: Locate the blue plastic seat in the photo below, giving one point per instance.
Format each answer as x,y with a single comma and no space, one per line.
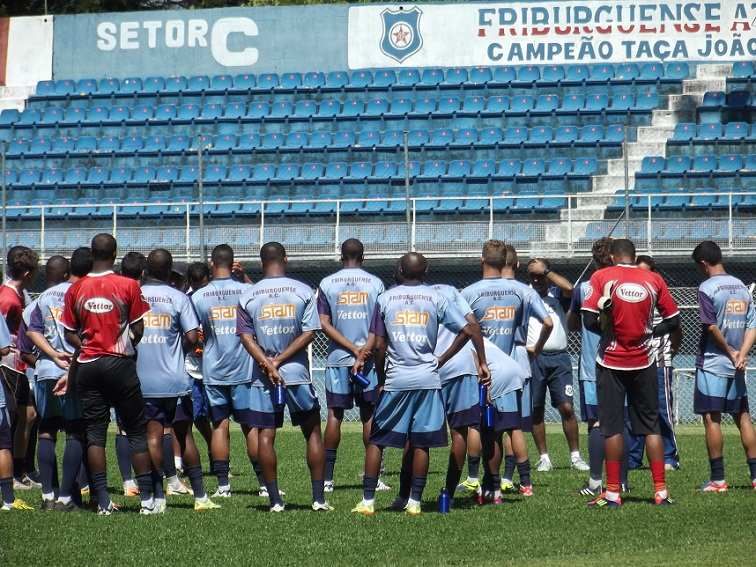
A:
448,105
108,86
169,174
497,105
120,176
86,145
336,171
710,131
743,70
704,164
368,139
342,140
248,142
573,103
521,104
51,115
431,77
83,87
553,74
465,137
286,172
143,175
652,165
291,81
392,139
384,170
30,116
646,101
408,78
651,72
245,82
591,134
547,103
258,110
328,108
577,73
516,136
614,134
376,107
272,141
352,109
177,144
221,83
424,106
400,107
224,143
585,167
623,102
313,80
458,169
312,171
626,72
601,73
483,169
713,99
677,71
281,109
491,136
455,77
28,177
473,105
360,170
559,167
211,112
383,79
131,144
509,168
738,100
417,138
295,141
153,85
187,112
684,132
237,174
62,146
533,167
262,173
319,140
730,163
267,81
165,113
596,103
479,76
504,76
305,109
78,176
45,89
108,145
188,174
433,170
734,131
51,177
337,80
677,165
528,74
360,79
566,135
414,169
175,84
440,138
141,114
9,116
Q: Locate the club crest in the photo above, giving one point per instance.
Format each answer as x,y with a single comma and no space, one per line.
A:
401,33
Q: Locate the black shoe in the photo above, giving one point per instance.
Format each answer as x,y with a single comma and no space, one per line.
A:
47,505
69,507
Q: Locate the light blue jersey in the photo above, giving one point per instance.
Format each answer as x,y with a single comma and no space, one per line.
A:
503,308
276,311
507,375
589,341
224,360
409,317
462,363
160,353
45,319
348,298
724,301
5,342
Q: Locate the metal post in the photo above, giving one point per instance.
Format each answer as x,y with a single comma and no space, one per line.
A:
649,226
490,217
201,198
262,224
414,225
337,229
627,182
407,189
729,220
188,233
115,221
42,232
5,211
570,246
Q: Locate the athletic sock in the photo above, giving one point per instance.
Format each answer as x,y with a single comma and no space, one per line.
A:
473,467
169,465
717,469
658,475
453,474
144,482
19,466
221,468
157,484
405,482
195,478
523,469
6,489
369,484
596,453
123,454
100,481
574,456
48,465
257,469
509,466
317,491
330,455
210,460
273,494
494,484
178,462
418,485
72,454
627,443
613,473
752,468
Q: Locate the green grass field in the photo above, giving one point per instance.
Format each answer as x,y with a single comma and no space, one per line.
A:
553,528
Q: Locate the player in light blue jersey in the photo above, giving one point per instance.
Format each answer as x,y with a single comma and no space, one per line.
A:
277,321
404,331
226,368
170,328
8,500
346,301
728,331
503,307
57,411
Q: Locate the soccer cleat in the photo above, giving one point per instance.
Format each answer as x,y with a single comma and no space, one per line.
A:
715,486
364,508
204,505
160,505
603,502
526,490
544,465
327,486
47,505
67,507
413,509
84,491
32,481
322,507
130,488
469,486
263,492
177,488
109,510
17,504
662,499
278,507
592,492
225,493
399,504
579,464
507,486
671,467
21,483
753,483
489,497
382,486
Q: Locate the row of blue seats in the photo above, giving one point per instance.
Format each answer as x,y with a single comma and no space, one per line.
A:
382,171
669,231
742,71
734,100
678,166
686,132
329,109
442,138
688,202
360,80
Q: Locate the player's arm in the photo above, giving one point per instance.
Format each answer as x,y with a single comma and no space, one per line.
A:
675,339
297,345
136,331
72,338
335,335
35,333
547,324
667,326
379,353
364,354
470,332
573,313
564,285
245,329
190,340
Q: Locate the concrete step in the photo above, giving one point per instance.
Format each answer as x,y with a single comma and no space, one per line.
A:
617,166
669,118
610,183
700,86
713,70
654,133
583,214
639,150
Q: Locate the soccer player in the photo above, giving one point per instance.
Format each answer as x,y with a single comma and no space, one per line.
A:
21,269
8,500
226,368
58,411
410,410
552,368
169,326
503,306
102,317
728,331
346,301
621,307
665,347
277,321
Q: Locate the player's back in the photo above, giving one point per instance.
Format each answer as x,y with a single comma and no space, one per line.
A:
224,360
498,305
507,375
348,297
45,316
462,363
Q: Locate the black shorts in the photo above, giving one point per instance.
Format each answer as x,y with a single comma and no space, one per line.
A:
17,384
641,389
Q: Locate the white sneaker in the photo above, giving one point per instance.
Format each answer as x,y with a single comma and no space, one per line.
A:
328,486
277,507
176,487
222,493
107,511
382,486
160,506
544,465
21,484
322,507
263,492
579,464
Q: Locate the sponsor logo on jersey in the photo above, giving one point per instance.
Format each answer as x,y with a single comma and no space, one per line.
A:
223,312
98,305
411,318
278,311
499,313
352,298
56,312
736,307
157,320
631,292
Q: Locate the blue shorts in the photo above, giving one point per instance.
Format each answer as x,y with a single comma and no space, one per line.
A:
301,400
200,403
184,409
54,408
552,371
162,410
720,394
6,438
588,401
416,416
460,396
342,392
508,413
231,400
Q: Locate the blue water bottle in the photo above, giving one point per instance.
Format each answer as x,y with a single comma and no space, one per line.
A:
279,395
444,502
489,411
482,395
360,379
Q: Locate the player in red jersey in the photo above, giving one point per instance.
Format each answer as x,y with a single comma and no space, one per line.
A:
620,305
102,315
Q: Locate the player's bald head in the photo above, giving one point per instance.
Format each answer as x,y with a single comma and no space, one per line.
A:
56,270
622,250
413,266
272,253
352,250
160,264
104,247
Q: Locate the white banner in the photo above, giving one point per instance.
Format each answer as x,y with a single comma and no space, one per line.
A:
30,51
530,33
